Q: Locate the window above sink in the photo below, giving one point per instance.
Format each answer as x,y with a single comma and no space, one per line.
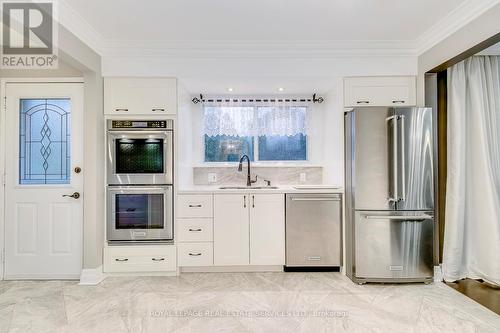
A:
264,133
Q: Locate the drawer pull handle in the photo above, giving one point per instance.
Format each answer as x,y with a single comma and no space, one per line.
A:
121,110
363,102
195,254
158,259
195,206
196,230
121,259
158,110
398,102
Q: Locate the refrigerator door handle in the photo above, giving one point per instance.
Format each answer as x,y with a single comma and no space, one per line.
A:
403,157
395,172
399,218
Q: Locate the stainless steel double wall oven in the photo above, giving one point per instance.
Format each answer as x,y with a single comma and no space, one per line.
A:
140,180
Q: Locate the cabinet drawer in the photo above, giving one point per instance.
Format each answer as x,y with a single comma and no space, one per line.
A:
195,254
140,259
194,230
194,206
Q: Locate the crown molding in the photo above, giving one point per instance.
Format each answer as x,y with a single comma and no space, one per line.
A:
449,24
465,13
256,49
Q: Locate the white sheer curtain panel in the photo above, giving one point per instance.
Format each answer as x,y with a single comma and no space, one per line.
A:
255,120
472,229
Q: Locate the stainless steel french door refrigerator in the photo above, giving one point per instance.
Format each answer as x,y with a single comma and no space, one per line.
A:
389,156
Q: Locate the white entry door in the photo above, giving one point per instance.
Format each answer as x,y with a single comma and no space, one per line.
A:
44,181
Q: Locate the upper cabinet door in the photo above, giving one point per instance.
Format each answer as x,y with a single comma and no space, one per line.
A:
140,96
380,91
231,229
267,229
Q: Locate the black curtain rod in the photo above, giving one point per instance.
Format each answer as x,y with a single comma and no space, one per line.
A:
314,99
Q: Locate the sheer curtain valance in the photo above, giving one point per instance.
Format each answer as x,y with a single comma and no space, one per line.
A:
238,120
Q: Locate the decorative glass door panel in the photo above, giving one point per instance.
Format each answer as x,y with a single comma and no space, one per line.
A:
45,141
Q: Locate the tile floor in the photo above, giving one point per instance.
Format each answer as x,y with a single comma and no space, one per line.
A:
254,302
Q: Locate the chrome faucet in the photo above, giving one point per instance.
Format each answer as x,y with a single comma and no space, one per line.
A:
240,168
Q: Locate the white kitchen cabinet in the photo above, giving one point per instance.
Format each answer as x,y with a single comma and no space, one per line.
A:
195,254
122,259
267,229
194,230
249,229
231,234
140,96
380,91
194,206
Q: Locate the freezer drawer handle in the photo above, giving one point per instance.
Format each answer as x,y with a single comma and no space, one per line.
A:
314,258
315,199
399,218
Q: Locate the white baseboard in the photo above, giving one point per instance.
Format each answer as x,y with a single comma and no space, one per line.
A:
92,276
231,269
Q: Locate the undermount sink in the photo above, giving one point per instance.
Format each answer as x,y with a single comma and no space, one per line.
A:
248,187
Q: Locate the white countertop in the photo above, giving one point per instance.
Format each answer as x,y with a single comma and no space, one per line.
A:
202,189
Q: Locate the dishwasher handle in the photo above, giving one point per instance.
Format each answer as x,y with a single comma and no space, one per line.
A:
315,199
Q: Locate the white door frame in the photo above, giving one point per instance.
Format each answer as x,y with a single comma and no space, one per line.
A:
3,119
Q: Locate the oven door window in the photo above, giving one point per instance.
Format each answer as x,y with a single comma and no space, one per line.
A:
139,156
139,211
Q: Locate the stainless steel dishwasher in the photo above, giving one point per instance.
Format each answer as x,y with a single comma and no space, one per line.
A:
313,230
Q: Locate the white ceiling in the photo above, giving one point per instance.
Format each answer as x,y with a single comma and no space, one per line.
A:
326,20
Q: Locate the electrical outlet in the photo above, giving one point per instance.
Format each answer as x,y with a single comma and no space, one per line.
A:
212,177
303,177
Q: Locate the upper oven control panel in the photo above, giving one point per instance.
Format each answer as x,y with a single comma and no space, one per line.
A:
140,124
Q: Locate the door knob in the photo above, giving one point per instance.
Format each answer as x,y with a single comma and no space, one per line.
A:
75,195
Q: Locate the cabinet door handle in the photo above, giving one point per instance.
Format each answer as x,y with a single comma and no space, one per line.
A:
363,102
244,201
121,110
121,259
158,259
195,206
398,102
158,110
195,254
253,201
194,229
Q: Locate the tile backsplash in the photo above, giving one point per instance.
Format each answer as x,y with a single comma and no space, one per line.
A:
277,175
